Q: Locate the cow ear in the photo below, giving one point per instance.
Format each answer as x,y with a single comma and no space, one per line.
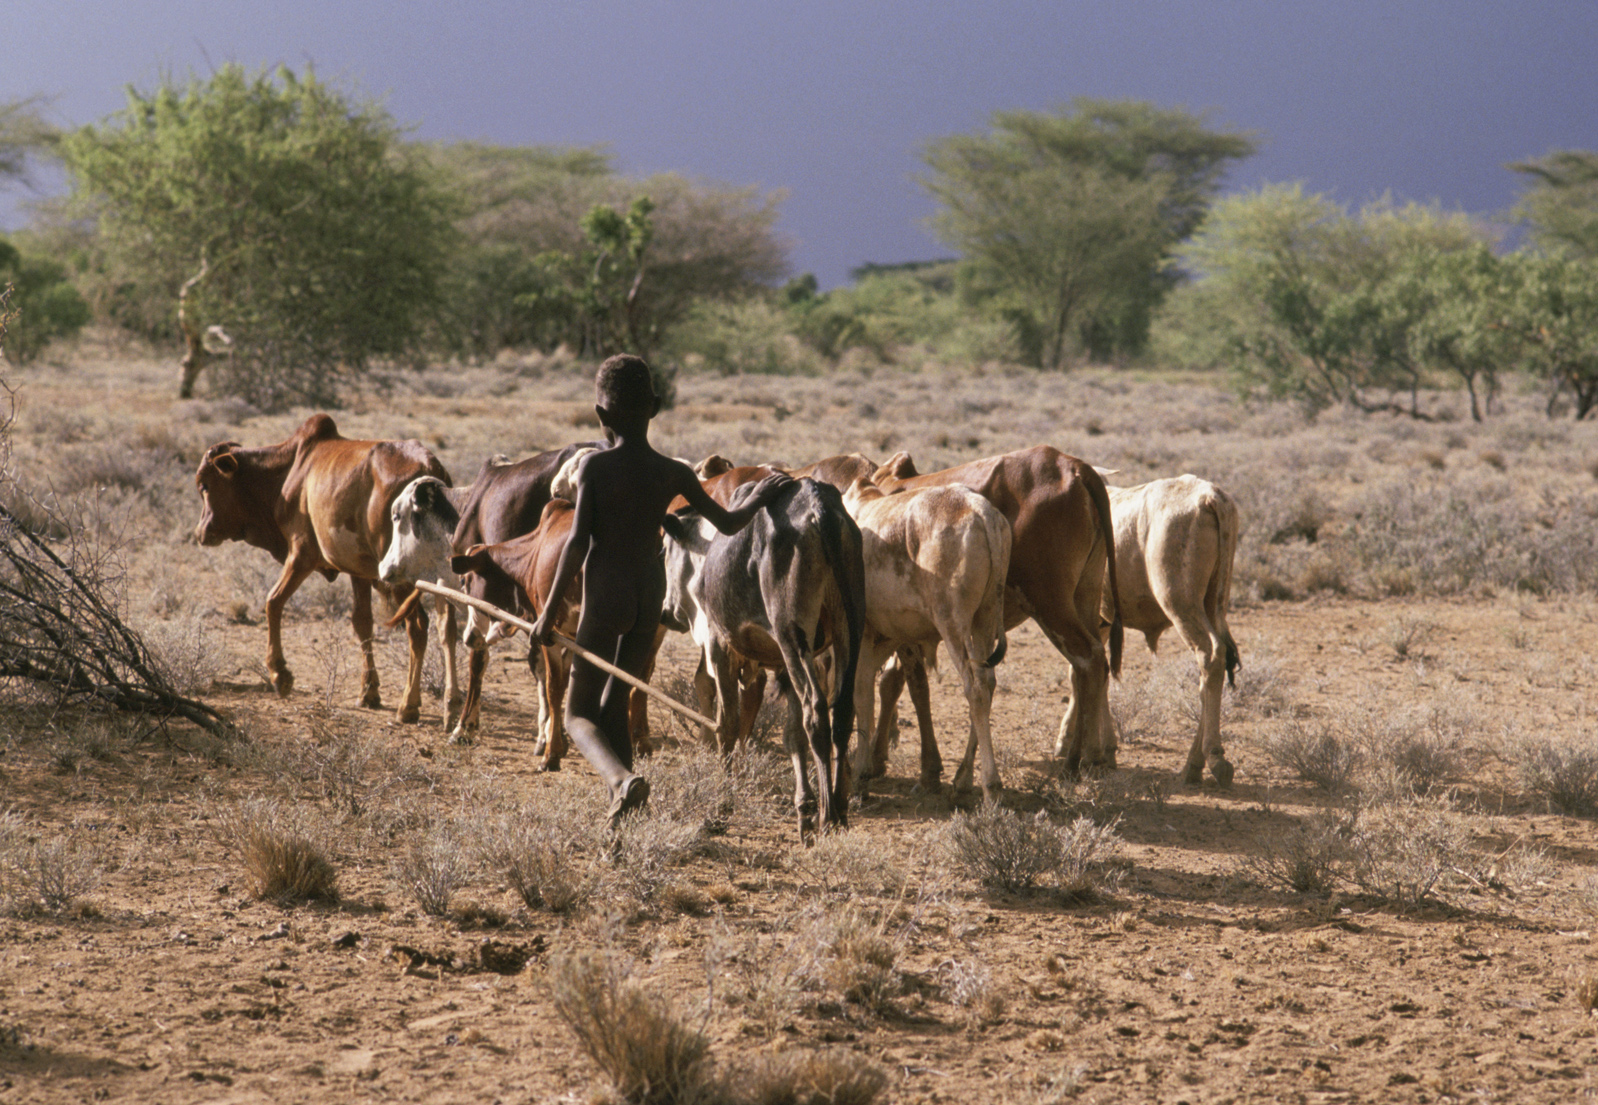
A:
465,562
227,464
674,528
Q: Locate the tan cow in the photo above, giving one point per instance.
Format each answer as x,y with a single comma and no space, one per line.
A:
1062,566
936,561
1174,544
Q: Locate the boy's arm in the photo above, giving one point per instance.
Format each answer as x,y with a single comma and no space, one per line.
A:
571,560
750,498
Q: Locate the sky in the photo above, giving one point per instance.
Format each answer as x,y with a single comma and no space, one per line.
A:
833,102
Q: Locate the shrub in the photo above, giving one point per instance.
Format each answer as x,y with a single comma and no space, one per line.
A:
537,859
434,866
1561,773
1305,859
1311,751
844,864
46,303
632,1035
834,1076
1402,851
46,873
1004,851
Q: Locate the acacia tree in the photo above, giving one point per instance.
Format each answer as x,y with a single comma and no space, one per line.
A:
300,223
1561,202
1555,313
1075,213
1314,303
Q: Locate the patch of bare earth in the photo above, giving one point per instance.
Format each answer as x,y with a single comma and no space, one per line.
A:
1187,977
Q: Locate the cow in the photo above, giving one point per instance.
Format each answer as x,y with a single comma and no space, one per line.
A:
1062,556
840,471
1174,544
936,559
319,502
784,589
506,500
516,576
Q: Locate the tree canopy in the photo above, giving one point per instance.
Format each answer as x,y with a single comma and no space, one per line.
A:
1560,201
320,235
1074,214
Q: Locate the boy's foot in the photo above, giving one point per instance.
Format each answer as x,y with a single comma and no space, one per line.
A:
630,795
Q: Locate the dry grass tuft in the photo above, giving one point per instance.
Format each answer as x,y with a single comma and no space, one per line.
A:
845,864
281,846
43,874
793,1077
537,859
635,1037
1313,752
1403,851
1004,851
1561,773
1305,859
435,865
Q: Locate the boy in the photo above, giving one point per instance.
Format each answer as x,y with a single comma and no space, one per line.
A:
622,495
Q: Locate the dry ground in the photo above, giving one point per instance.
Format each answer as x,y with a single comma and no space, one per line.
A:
1189,979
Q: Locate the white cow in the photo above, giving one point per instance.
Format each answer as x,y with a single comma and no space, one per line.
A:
1174,544
936,561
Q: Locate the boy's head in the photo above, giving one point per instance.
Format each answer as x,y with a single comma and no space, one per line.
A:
624,387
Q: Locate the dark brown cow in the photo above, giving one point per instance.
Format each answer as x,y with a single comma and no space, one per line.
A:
1063,550
319,502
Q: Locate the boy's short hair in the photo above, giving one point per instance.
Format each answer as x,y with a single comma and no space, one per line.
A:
625,382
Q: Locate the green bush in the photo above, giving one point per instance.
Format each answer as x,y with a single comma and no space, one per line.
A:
46,303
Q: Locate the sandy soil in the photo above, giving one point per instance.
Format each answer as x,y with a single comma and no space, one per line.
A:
1189,982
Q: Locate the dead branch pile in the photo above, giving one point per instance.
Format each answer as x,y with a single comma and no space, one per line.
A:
59,633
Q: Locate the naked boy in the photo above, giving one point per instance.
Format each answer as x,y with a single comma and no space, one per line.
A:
622,495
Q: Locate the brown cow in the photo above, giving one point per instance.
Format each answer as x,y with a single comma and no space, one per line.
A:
1063,549
319,502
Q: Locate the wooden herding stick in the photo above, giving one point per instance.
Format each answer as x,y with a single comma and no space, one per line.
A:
569,645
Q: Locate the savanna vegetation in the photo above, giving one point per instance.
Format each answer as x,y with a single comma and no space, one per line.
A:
205,889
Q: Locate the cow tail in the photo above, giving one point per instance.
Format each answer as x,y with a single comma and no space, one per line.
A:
994,600
405,608
841,539
1219,595
1101,503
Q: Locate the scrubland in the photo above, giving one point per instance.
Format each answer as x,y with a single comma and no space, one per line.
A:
1394,901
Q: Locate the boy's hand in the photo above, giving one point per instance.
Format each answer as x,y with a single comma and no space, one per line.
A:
543,631
762,491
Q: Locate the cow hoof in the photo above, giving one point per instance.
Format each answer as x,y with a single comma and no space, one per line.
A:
408,715
930,784
282,682
553,765
371,700
1222,770
1193,774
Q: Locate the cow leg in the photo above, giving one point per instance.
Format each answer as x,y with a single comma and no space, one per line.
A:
448,637
749,700
865,685
638,704
890,685
288,582
466,724
361,619
793,741
538,667
724,672
1090,679
915,676
979,683
807,684
410,710
705,689
552,699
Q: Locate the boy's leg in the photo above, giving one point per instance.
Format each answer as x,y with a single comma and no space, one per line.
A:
589,728
632,656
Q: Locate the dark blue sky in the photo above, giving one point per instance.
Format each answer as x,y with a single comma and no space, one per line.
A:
832,101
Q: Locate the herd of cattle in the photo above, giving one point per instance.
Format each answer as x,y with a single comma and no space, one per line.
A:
854,570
